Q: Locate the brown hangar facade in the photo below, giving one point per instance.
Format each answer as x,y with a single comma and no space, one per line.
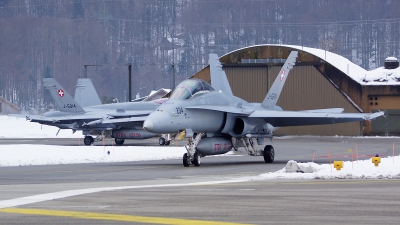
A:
320,79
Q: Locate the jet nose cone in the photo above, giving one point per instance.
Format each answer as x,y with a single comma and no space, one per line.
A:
148,125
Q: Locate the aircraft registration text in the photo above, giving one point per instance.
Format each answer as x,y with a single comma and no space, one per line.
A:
126,134
69,106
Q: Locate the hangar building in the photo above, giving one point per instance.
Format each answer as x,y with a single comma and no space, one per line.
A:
320,79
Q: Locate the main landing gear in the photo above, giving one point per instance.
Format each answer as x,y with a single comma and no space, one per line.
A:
268,153
88,140
119,141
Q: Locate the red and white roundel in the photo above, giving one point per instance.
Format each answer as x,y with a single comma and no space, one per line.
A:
282,75
61,93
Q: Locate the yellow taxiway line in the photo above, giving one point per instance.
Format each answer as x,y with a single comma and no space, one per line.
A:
113,217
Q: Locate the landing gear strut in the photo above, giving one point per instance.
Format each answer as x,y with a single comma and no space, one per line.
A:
268,153
192,157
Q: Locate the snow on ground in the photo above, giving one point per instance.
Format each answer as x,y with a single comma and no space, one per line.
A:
25,155
362,169
16,127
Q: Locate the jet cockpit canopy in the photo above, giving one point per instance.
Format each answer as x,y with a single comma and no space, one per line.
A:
189,88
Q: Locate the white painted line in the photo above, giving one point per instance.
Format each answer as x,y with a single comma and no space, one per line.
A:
64,194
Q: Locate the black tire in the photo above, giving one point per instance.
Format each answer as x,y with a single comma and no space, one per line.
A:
88,140
119,141
167,142
185,160
269,154
161,141
196,159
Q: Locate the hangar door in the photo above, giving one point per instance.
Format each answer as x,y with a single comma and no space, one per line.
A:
388,125
306,88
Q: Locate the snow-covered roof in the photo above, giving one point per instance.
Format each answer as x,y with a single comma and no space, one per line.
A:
391,59
379,76
382,76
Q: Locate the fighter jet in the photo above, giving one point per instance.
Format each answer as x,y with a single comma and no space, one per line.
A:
215,121
120,120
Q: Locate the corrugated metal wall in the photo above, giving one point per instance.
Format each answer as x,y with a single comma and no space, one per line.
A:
305,88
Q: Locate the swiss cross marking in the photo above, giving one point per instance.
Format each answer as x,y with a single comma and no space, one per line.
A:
61,93
282,75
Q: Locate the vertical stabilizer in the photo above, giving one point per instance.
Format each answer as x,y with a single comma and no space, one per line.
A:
63,100
85,93
273,94
219,81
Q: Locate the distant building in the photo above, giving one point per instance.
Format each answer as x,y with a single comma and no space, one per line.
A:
320,79
7,107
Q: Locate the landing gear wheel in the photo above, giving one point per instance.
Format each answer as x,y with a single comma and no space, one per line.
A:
186,160
88,140
196,159
119,141
161,141
269,154
167,142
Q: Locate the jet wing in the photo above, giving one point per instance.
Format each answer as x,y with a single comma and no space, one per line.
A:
228,109
58,119
124,120
330,110
130,113
301,118
130,116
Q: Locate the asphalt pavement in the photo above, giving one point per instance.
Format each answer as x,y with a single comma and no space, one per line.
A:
165,192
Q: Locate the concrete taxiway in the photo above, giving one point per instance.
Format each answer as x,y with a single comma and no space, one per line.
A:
164,192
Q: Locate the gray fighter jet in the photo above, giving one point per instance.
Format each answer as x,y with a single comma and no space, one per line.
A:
120,120
215,121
